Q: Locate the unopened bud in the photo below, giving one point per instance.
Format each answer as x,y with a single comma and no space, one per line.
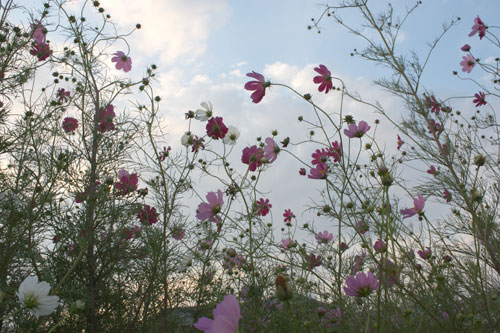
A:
479,160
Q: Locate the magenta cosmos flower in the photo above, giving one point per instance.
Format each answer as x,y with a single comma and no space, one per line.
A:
271,150
69,124
216,128
258,87
380,246
263,206
324,237
419,203
105,119
312,261
360,285
209,210
479,99
357,131
288,215
465,48
148,215
425,254
128,182
253,157
63,95
478,26
122,61
400,142
41,51
324,79
226,317
468,62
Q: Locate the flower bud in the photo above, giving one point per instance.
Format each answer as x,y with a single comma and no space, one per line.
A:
479,160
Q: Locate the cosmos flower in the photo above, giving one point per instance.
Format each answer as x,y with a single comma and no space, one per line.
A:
35,297
226,317
122,61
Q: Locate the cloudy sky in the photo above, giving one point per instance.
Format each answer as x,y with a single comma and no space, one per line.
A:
204,49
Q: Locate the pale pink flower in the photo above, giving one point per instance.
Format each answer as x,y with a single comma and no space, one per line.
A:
388,273
324,79
419,203
361,285
324,237
209,210
320,172
122,61
357,131
286,244
271,150
478,26
468,62
226,317
69,124
39,33
259,86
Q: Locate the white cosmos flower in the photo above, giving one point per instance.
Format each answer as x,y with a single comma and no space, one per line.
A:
187,139
185,263
205,113
231,136
35,297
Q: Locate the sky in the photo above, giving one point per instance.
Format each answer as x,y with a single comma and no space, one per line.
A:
203,50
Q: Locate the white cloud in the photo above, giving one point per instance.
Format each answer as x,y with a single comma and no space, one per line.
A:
173,29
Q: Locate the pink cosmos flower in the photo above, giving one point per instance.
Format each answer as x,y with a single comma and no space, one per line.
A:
226,317
478,26
358,262
400,142
205,245
320,172
468,62
39,33
312,261
198,143
324,237
288,215
320,156
336,151
128,182
361,285
479,100
433,104
331,318
465,48
357,131
69,124
178,233
425,254
263,207
302,171
259,86
271,150
216,128
252,156
447,195
63,95
286,244
324,79
432,170
380,246
122,61
41,51
388,273
148,215
210,209
131,233
105,119
419,203
164,154
362,227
